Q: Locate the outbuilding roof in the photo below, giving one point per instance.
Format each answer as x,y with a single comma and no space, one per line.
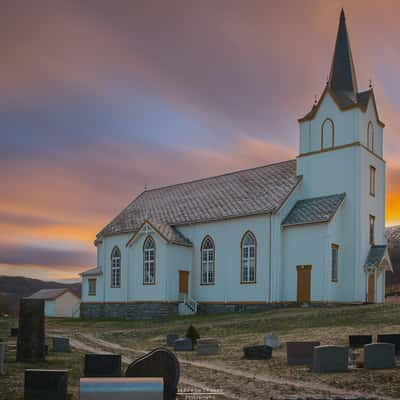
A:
92,272
314,210
260,190
49,294
378,256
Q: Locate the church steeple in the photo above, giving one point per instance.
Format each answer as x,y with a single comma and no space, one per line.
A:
342,78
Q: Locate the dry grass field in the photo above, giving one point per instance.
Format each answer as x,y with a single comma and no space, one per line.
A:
227,371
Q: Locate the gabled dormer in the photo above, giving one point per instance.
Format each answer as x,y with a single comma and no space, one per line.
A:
343,116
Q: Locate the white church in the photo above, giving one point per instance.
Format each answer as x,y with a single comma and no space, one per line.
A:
308,230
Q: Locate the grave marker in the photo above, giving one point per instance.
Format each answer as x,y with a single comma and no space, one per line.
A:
257,352
2,356
330,359
359,341
271,340
300,353
183,344
102,366
207,346
171,339
391,338
159,363
61,345
31,337
45,384
379,356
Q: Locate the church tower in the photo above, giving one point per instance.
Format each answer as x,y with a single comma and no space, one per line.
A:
341,151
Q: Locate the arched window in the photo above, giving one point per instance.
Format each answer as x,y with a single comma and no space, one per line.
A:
370,136
248,266
116,268
327,134
207,261
149,261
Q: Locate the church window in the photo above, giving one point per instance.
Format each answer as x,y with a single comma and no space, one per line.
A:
248,266
149,261
372,175
116,268
371,229
207,261
92,287
370,136
334,262
327,134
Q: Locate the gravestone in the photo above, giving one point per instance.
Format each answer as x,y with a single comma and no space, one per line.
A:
271,340
207,346
257,352
359,341
171,339
121,389
300,353
61,345
45,384
158,363
31,337
14,332
379,356
102,366
391,338
183,344
330,359
2,356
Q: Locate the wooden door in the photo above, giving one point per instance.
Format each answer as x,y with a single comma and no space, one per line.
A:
183,282
303,283
371,287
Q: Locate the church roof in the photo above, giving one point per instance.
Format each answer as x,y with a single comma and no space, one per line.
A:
315,210
260,190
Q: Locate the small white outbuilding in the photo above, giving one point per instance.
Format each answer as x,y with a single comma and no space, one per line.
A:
59,302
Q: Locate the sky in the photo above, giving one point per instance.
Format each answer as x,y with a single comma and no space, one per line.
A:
99,99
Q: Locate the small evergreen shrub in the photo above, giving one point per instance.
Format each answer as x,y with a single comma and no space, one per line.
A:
192,333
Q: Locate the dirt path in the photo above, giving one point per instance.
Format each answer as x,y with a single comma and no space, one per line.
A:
279,386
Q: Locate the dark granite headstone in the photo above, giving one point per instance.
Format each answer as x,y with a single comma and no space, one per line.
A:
330,359
45,384
171,339
2,356
183,344
102,365
359,341
379,356
391,338
14,332
158,363
257,352
61,345
300,353
31,337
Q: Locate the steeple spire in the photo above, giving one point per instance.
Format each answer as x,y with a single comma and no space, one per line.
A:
342,78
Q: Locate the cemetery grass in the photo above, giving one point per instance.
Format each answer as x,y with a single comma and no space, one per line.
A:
12,381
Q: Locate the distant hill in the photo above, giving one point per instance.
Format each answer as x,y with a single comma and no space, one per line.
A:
393,278
13,288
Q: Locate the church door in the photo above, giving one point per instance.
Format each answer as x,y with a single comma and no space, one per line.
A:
183,282
371,287
303,283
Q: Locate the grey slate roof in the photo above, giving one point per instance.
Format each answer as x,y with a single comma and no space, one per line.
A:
48,294
247,192
376,255
92,272
315,210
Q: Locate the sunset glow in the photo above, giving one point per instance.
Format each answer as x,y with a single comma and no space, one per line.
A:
100,99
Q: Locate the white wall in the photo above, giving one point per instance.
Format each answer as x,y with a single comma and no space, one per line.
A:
227,237
50,308
66,305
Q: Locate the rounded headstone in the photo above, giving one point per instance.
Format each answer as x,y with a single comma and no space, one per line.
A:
330,359
271,340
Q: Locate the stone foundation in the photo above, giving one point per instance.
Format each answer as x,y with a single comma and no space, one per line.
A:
220,308
131,311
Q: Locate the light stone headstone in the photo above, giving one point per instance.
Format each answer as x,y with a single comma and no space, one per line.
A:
31,336
121,389
379,356
330,359
271,340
